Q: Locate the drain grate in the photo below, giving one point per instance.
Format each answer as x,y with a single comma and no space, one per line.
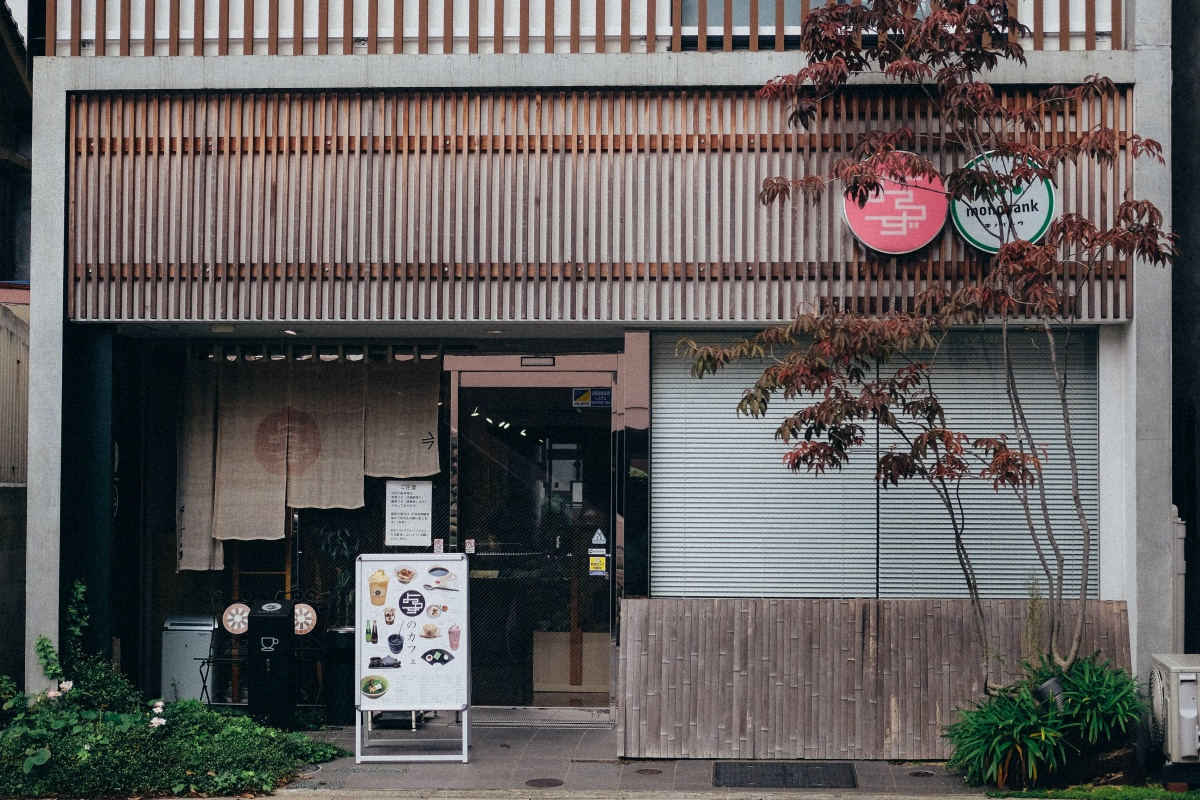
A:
786,775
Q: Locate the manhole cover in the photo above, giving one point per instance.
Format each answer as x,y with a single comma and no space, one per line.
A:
308,769
649,771
543,783
920,773
788,775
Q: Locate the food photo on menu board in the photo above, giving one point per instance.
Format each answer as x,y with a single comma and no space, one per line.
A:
411,626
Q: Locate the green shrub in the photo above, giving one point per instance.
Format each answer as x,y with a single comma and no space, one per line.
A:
97,684
1102,701
95,735
1010,736
1012,740
56,748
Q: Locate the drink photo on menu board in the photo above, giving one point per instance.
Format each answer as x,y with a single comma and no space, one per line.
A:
412,623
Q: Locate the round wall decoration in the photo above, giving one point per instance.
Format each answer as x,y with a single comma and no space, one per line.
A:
304,619
904,217
236,618
985,223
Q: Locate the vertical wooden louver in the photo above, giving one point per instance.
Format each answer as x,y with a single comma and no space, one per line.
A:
635,206
486,26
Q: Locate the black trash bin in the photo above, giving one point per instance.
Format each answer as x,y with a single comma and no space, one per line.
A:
339,676
272,635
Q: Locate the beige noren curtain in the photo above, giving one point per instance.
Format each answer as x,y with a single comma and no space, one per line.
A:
256,437
402,419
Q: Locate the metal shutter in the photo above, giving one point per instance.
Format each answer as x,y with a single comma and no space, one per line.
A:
916,549
728,520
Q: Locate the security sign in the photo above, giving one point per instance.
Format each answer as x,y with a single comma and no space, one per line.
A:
902,218
1023,213
596,397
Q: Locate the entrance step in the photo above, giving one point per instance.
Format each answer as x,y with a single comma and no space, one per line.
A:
582,718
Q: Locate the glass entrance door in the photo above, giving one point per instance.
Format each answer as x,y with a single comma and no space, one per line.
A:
535,503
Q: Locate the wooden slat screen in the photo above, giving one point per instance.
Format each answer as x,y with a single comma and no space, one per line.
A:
529,206
815,679
100,27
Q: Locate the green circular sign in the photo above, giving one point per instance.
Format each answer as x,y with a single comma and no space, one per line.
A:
1025,212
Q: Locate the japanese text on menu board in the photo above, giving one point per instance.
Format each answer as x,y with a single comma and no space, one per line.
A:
412,632
409,514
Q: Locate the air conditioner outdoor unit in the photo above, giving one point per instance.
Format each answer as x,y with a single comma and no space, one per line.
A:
1174,705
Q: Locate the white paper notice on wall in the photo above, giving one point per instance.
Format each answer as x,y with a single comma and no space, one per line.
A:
408,514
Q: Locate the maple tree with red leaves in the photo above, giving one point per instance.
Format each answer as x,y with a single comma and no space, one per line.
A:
831,362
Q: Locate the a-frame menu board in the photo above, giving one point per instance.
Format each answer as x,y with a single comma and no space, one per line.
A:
412,651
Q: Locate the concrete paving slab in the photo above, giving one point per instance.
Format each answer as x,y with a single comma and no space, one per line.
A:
556,743
691,775
565,793
503,759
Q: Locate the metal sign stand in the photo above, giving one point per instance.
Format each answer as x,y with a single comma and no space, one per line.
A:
362,742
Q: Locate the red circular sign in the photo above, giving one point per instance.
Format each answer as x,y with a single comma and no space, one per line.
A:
902,218
287,438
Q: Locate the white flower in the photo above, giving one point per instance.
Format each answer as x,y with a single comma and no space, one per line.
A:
53,693
87,747
157,722
158,707
66,686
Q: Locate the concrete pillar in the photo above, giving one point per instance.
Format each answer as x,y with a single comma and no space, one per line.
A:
47,314
1148,380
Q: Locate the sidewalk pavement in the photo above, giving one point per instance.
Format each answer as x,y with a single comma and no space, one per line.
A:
574,764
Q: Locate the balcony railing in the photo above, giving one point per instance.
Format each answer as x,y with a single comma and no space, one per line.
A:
320,27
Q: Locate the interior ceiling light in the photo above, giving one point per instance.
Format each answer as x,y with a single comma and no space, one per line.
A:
222,328
288,331
496,331
475,413
489,421
522,431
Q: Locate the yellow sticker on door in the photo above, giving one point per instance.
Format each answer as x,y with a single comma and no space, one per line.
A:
598,565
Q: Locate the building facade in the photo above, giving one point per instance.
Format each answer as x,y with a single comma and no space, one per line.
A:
300,252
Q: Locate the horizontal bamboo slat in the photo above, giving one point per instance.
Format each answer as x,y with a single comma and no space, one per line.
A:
816,678
393,205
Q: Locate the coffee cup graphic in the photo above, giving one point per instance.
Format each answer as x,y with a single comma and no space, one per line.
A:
429,631
268,644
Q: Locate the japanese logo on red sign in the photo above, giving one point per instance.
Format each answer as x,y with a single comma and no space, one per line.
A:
902,218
